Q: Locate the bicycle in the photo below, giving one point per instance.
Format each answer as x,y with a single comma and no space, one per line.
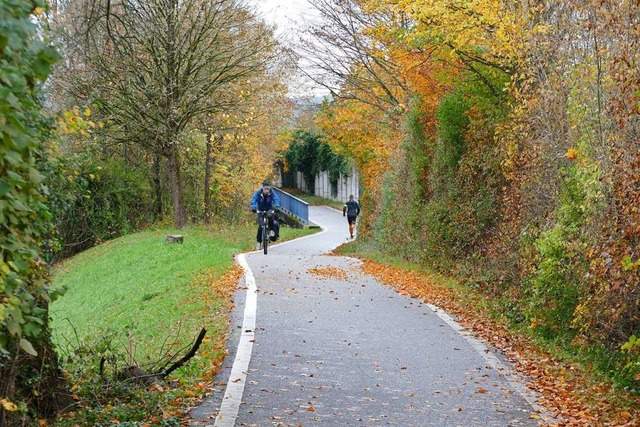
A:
263,221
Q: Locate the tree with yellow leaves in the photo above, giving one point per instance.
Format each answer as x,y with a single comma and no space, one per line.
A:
154,68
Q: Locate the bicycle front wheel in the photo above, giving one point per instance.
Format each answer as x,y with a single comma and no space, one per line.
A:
265,237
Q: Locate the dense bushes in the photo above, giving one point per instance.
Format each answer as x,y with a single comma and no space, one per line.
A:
531,192
444,188
553,290
527,230
519,170
98,201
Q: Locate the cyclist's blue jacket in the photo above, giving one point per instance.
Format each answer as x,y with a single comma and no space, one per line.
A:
259,202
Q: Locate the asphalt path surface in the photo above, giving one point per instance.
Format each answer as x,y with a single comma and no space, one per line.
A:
314,348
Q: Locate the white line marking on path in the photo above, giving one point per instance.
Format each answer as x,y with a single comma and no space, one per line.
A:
324,230
513,378
235,386
230,406
228,413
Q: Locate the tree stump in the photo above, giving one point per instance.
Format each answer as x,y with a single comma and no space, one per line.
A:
175,238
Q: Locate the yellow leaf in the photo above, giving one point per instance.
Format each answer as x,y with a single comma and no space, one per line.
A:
8,406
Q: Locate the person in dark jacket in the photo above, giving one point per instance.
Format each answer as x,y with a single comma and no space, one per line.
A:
265,199
351,210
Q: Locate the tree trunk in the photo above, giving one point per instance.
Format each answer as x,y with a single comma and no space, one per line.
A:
176,186
157,188
214,141
207,181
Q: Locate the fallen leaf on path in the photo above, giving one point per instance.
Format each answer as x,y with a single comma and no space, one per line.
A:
564,392
329,272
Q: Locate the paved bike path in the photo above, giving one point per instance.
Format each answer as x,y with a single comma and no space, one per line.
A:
347,351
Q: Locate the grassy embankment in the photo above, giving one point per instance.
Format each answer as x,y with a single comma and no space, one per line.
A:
138,300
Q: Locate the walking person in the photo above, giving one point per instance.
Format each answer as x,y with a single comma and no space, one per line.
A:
351,210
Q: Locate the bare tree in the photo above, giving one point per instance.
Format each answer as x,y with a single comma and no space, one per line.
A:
344,58
153,68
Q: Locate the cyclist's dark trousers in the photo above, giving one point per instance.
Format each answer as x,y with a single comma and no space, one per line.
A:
273,225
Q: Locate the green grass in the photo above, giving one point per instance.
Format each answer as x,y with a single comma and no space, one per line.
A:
145,285
140,283
146,297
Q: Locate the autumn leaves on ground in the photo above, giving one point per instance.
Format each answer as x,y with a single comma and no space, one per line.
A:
565,392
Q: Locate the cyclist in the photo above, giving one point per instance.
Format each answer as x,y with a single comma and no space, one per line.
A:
265,199
351,210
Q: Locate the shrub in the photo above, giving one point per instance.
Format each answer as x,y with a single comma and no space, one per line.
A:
553,291
99,201
404,189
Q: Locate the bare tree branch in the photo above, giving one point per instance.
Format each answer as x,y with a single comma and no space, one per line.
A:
349,62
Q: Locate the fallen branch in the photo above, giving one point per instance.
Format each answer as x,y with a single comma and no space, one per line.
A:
186,357
135,373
